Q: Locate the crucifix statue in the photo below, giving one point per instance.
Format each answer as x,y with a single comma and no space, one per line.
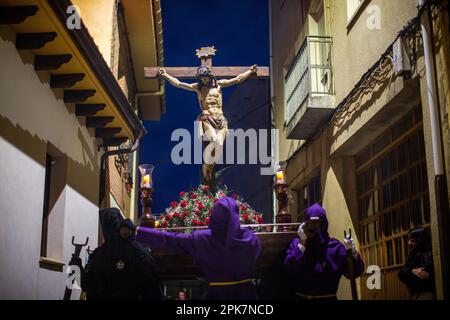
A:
213,125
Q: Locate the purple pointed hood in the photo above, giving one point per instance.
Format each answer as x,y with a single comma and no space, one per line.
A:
316,211
224,222
317,247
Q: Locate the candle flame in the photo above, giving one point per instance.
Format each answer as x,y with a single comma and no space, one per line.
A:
146,180
280,177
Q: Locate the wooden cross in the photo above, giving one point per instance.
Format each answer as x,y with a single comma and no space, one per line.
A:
205,55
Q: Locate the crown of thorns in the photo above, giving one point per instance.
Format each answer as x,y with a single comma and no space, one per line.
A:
203,71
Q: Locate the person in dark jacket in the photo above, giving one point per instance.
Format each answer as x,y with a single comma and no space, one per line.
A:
418,272
121,268
181,295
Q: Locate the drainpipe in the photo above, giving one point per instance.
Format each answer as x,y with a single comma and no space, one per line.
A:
272,102
440,180
102,187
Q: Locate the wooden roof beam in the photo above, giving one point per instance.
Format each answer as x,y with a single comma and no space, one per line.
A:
88,109
77,95
106,132
50,62
28,41
98,122
65,80
16,14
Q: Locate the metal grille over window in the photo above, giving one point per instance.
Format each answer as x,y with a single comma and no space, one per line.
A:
393,198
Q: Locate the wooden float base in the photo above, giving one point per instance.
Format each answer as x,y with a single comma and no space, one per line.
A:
170,266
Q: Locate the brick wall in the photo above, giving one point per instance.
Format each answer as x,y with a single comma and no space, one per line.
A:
121,67
117,182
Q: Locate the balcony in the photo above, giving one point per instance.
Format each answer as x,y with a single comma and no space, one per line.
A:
308,85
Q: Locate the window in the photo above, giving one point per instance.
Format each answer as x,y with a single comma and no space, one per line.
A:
309,194
53,205
45,211
392,196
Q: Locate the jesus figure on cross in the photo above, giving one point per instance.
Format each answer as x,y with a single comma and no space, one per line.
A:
213,125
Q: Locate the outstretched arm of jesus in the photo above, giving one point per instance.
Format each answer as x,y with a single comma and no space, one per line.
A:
240,78
175,82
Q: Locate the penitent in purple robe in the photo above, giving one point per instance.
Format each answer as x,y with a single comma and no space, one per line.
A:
319,269
224,252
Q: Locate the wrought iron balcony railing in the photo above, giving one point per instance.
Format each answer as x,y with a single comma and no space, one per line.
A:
309,75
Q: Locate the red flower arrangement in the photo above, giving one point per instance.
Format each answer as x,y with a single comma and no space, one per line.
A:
194,209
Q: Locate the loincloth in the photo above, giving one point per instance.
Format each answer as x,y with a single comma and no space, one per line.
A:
218,122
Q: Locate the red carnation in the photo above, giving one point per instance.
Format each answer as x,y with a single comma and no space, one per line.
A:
195,222
200,205
175,215
173,204
215,200
183,215
207,220
243,208
260,219
182,194
201,223
193,196
164,224
168,216
245,217
183,204
234,196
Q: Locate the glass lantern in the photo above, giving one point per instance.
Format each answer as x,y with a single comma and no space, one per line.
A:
146,171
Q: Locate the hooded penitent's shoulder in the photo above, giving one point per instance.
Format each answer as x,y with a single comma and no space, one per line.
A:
248,234
138,247
246,240
335,243
337,246
98,252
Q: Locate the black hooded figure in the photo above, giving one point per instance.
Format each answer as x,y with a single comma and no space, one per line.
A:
418,271
121,268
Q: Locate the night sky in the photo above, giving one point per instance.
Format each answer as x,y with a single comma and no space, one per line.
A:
239,30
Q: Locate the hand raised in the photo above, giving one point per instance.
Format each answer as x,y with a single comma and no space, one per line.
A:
162,72
254,68
421,273
301,233
349,244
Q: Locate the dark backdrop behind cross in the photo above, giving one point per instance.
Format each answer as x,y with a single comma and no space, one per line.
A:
205,55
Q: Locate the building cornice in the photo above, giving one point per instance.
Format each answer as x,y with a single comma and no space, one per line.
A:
86,45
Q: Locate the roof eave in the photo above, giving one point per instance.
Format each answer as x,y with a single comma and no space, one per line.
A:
89,50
